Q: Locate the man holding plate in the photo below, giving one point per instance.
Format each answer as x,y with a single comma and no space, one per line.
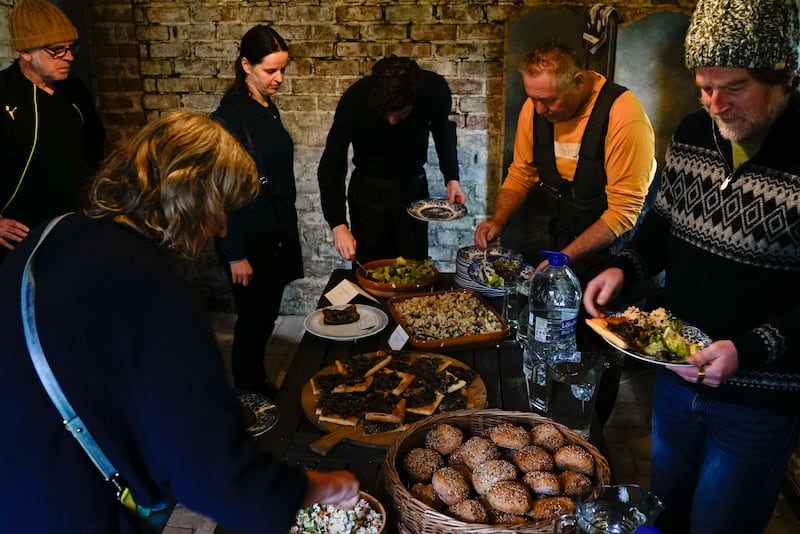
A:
387,117
724,227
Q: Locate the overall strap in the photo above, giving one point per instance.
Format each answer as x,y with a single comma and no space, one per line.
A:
70,419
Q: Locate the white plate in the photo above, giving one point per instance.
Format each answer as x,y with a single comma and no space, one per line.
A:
690,332
371,321
264,409
436,210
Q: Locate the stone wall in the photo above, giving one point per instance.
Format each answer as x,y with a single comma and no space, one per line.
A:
153,56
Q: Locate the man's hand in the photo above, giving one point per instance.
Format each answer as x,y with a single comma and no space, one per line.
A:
241,272
603,289
11,232
338,488
712,365
486,232
344,242
455,193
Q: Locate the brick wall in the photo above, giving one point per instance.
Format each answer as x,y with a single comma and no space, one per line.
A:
152,56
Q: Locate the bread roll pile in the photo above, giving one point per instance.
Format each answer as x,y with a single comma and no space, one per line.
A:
511,475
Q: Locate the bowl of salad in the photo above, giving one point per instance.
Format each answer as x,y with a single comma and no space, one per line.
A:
368,517
391,277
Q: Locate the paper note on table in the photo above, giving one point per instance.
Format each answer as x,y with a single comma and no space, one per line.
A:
367,321
344,292
398,338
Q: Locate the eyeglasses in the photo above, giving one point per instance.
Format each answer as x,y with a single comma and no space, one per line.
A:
61,51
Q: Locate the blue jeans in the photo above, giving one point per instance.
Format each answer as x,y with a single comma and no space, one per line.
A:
717,466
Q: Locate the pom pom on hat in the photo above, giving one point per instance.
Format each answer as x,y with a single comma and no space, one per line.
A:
744,34
38,23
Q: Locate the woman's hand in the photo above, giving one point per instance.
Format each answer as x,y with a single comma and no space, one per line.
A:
241,272
344,242
337,488
454,192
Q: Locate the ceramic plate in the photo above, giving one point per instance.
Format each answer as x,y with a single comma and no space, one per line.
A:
518,266
436,210
264,409
371,321
690,332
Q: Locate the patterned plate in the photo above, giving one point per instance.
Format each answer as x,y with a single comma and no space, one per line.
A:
690,333
265,410
436,210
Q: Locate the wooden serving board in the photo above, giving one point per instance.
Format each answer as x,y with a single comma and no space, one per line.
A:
475,393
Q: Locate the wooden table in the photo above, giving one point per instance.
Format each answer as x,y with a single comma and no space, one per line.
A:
499,366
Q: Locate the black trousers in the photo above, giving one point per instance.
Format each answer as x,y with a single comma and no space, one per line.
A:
379,221
275,259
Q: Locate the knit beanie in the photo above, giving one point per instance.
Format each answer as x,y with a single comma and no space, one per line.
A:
38,23
744,33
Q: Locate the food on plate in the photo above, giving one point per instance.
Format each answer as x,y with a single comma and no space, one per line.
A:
384,391
450,485
333,316
574,458
656,333
403,271
469,510
509,496
444,438
420,464
509,436
445,315
491,471
552,507
502,272
317,518
491,479
249,419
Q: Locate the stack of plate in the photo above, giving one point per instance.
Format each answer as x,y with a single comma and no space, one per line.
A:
466,256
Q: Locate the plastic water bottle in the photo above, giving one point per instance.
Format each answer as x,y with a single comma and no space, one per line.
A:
554,300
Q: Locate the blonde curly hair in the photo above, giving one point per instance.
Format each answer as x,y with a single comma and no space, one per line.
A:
175,182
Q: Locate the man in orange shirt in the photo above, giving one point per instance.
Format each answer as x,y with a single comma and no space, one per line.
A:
589,145
597,186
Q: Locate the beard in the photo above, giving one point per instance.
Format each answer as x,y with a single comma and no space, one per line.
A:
744,124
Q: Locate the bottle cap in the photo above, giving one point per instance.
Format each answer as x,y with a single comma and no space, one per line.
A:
558,259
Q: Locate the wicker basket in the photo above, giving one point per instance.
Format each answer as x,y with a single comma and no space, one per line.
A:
412,516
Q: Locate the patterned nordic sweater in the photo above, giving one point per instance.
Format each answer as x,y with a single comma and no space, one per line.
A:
732,254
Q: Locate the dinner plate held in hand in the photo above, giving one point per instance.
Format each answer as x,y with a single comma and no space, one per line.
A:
436,210
691,333
371,321
264,410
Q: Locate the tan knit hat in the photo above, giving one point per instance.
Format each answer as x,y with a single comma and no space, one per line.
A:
38,23
744,33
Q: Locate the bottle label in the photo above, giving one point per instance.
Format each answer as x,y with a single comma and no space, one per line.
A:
568,327
540,329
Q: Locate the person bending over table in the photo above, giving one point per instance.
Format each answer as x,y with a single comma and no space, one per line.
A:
387,117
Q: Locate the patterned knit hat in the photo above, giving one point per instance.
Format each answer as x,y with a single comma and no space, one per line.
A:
38,23
744,33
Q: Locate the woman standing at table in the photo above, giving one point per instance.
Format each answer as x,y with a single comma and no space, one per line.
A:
261,252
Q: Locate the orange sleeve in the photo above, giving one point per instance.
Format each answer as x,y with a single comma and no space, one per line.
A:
522,173
630,162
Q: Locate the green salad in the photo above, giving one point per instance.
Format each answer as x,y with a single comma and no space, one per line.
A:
403,271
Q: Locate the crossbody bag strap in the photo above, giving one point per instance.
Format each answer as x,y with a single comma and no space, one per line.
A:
70,419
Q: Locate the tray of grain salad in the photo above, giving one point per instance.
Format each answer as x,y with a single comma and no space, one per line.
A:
447,320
